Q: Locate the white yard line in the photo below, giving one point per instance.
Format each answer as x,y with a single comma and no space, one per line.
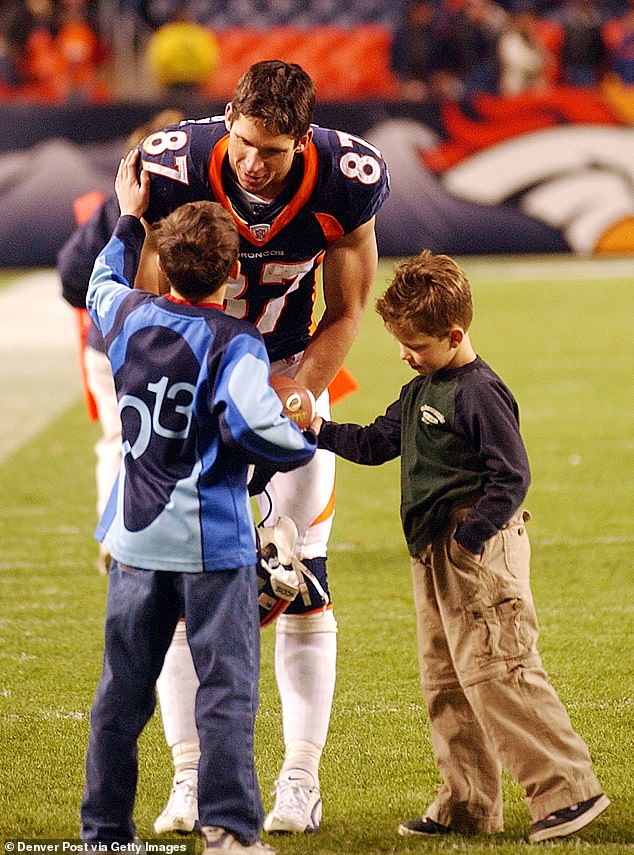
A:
39,376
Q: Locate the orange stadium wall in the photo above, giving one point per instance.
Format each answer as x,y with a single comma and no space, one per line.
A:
547,172
345,64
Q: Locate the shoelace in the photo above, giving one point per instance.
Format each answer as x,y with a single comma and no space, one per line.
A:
292,797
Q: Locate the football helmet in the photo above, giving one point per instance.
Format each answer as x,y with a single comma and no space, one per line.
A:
281,575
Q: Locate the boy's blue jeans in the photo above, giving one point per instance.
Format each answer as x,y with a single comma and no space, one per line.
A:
223,631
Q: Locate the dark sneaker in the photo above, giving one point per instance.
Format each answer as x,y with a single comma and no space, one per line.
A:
567,821
421,826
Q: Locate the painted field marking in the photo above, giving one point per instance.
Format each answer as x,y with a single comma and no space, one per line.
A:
39,377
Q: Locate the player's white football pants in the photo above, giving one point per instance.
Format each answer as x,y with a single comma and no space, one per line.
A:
305,655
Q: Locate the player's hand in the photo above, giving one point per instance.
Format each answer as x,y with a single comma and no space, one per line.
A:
133,192
316,424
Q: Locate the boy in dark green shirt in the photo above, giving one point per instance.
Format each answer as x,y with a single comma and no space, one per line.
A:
464,476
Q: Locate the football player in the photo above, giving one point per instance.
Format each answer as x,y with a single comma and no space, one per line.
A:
304,198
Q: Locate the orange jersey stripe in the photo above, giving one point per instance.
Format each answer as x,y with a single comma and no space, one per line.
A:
330,225
85,206
328,510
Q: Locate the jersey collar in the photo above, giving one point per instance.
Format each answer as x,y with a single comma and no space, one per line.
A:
180,302
259,237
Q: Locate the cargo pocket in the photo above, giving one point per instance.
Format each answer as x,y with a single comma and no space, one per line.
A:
516,545
498,630
471,577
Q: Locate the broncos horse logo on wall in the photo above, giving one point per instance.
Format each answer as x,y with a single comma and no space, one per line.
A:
546,172
538,172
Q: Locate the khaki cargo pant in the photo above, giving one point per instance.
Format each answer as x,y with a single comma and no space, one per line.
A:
489,700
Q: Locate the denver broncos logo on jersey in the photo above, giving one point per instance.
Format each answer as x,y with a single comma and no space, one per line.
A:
260,231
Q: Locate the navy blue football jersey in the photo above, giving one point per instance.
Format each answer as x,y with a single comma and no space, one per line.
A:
338,183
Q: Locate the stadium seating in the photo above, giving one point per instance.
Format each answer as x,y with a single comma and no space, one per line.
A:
344,63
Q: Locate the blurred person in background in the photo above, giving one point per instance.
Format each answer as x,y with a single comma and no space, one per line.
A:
583,52
58,52
471,42
523,60
31,30
415,54
82,50
619,34
182,55
8,50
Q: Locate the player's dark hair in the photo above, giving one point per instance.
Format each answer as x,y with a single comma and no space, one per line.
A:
197,245
429,294
280,94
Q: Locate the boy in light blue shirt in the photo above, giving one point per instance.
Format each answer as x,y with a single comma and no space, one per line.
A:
196,409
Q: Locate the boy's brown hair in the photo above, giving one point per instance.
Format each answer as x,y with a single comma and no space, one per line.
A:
429,294
280,94
198,246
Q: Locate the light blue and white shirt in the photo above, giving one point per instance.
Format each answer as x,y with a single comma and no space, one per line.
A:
196,409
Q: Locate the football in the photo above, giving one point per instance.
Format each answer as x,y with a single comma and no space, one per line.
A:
298,402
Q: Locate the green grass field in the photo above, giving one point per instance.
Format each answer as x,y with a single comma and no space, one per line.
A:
560,334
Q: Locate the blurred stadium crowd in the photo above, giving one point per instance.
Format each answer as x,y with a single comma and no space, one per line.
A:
96,51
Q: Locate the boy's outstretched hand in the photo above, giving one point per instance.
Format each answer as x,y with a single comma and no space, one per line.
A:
132,192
